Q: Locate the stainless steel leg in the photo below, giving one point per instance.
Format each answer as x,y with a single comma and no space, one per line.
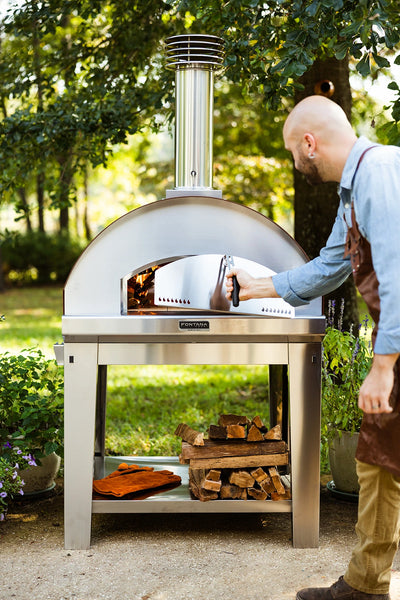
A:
80,380
305,434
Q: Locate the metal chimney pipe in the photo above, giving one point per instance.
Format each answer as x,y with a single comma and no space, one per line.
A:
194,58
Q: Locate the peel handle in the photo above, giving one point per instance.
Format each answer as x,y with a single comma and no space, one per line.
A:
235,291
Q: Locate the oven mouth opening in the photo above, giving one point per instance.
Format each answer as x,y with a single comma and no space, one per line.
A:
137,292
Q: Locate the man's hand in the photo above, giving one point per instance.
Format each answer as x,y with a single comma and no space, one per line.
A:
376,389
250,287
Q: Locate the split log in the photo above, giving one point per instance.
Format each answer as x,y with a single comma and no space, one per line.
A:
267,485
214,475
259,475
276,480
275,496
242,479
232,492
229,419
274,434
184,461
254,434
257,494
235,432
190,435
212,481
213,449
286,496
196,480
240,462
213,486
257,421
215,432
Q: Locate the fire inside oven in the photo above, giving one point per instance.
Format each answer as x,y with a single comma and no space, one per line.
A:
138,294
140,291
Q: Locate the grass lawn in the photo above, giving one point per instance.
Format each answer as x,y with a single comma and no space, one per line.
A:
144,404
32,318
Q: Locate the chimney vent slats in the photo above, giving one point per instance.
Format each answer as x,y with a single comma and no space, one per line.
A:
194,57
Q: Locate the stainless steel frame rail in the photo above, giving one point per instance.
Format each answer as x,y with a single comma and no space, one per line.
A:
90,344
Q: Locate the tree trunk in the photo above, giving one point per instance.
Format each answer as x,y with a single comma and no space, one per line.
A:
25,208
40,200
66,176
40,180
65,161
316,206
64,219
86,223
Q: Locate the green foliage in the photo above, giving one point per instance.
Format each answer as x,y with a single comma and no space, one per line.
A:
391,130
37,257
270,45
78,77
87,73
32,403
257,182
251,165
75,78
347,359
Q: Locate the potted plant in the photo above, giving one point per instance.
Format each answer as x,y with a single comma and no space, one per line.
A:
32,410
346,361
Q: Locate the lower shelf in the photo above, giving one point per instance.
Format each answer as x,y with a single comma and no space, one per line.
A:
177,500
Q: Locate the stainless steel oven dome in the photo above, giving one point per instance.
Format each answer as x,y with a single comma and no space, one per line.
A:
164,231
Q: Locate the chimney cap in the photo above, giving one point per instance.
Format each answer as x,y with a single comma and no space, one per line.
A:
194,50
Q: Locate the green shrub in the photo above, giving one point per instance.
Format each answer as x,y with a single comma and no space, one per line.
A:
32,403
37,257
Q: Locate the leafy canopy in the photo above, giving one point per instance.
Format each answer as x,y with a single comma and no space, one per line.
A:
78,76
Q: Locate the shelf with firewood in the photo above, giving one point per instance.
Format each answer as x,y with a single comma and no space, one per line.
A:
241,459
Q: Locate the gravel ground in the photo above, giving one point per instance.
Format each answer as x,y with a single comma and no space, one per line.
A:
171,557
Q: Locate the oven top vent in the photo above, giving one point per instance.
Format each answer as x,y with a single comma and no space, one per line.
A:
195,59
185,51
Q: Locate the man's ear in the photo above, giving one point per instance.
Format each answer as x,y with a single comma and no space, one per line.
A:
310,143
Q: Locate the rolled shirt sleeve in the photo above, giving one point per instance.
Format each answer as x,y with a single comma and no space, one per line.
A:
319,276
375,190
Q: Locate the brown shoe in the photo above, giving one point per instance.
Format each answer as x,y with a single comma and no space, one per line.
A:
338,591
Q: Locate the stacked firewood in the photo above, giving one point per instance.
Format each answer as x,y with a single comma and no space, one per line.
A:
238,460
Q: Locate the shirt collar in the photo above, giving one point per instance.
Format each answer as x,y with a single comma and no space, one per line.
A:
350,167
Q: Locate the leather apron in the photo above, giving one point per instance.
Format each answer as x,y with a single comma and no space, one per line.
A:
379,439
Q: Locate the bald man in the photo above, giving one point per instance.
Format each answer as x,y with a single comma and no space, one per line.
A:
365,241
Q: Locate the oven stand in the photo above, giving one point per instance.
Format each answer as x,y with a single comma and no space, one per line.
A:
85,379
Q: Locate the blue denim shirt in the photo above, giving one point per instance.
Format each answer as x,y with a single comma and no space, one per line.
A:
375,189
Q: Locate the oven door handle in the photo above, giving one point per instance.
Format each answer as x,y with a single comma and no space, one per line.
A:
236,287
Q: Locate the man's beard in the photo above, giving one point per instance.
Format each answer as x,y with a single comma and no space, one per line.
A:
310,171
